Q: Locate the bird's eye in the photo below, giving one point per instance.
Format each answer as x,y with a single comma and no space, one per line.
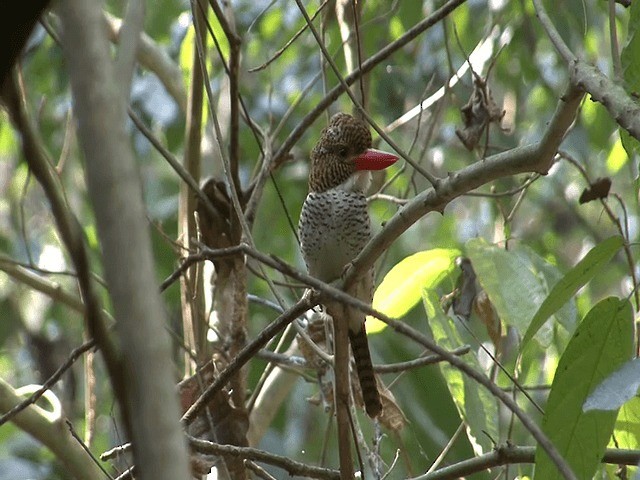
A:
343,151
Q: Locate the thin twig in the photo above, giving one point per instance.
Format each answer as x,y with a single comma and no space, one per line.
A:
281,50
432,179
173,161
510,454
553,34
245,355
615,47
418,362
367,66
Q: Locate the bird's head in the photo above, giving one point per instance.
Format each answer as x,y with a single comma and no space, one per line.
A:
343,157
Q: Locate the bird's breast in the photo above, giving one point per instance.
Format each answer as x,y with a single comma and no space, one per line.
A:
334,227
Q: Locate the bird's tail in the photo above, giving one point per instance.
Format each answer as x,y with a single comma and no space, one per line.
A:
364,368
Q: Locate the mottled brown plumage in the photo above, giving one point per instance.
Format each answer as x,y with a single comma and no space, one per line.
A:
334,227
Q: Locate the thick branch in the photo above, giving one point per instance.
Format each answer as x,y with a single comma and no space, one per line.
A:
155,59
51,433
150,400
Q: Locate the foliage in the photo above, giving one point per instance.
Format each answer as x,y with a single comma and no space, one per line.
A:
546,309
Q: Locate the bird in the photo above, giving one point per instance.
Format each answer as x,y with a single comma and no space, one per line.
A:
335,226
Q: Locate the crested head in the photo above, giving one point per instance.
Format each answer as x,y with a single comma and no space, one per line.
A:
333,159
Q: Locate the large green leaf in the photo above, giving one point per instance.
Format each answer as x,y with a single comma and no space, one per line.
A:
601,344
401,288
566,288
510,280
477,407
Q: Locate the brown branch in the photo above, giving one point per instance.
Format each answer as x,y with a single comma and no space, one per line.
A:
246,354
509,454
342,391
418,362
292,467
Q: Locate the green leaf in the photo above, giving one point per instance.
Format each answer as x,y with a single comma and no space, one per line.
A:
617,157
401,288
626,433
627,429
601,344
510,281
566,288
477,407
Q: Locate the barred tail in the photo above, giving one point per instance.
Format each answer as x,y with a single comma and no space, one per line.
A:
362,356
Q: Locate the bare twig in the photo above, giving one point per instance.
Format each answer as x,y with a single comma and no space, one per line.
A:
432,179
292,467
418,362
245,355
182,172
367,66
280,51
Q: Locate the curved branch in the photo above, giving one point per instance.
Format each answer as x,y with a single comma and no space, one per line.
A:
529,158
51,433
620,105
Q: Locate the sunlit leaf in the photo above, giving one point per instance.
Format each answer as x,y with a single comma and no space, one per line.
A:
477,407
401,288
601,344
617,157
566,288
627,429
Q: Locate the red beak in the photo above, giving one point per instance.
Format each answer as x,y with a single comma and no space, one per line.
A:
373,159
